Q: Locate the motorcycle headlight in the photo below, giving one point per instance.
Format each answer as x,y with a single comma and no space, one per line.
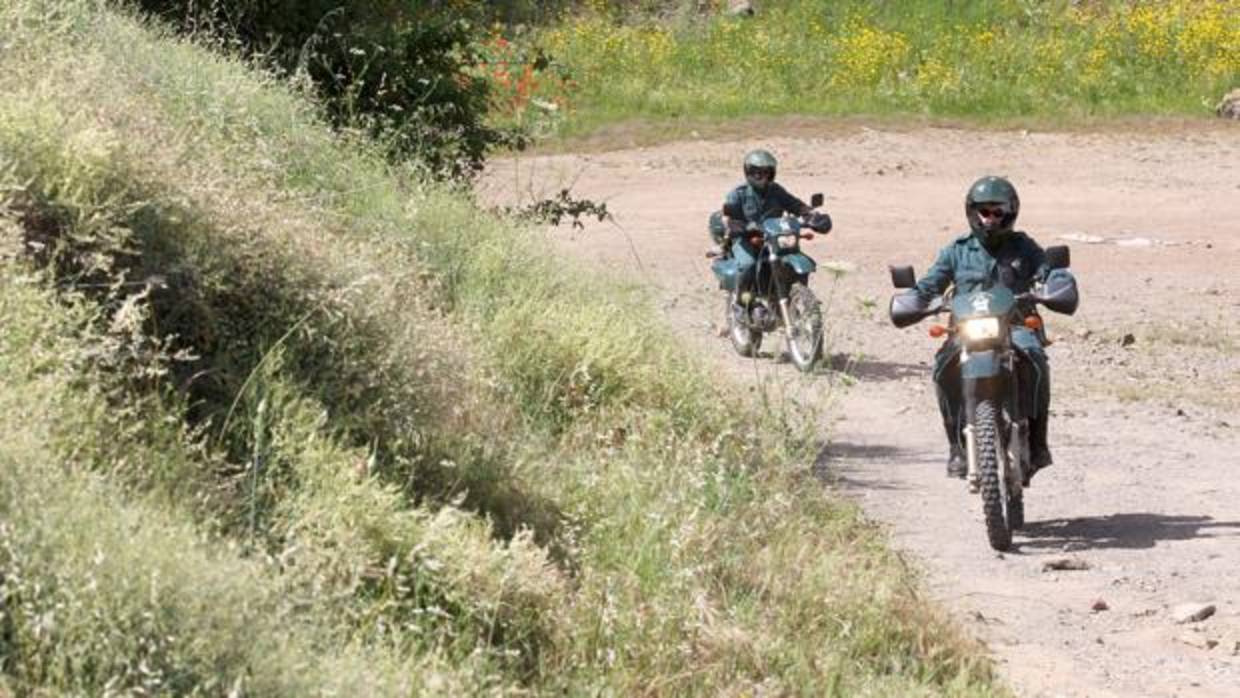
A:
980,329
787,242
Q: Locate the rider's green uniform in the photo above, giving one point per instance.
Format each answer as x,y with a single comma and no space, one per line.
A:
1017,263
744,203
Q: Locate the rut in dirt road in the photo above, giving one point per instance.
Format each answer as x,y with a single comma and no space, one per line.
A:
1145,424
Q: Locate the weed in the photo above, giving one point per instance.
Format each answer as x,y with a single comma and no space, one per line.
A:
1008,59
414,453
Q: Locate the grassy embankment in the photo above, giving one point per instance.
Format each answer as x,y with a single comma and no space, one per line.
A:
276,418
1002,61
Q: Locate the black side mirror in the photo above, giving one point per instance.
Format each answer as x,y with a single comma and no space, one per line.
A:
816,200
1058,257
903,277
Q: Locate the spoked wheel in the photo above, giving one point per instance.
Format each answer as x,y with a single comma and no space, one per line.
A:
744,340
805,327
996,504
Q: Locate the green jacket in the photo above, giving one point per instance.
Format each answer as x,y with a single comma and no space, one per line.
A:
745,204
1017,264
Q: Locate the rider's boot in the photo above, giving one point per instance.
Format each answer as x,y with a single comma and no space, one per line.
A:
957,466
1039,451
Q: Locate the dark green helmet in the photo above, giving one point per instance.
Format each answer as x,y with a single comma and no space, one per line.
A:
991,207
759,169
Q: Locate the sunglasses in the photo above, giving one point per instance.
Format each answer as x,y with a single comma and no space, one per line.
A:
991,211
762,172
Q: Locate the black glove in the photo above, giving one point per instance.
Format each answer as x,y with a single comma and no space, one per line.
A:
819,222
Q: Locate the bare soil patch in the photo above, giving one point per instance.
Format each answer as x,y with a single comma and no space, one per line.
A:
1146,377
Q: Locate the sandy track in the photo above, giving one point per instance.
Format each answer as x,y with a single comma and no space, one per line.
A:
1146,434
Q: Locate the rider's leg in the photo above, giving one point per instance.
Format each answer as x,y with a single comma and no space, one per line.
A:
746,259
951,405
1037,373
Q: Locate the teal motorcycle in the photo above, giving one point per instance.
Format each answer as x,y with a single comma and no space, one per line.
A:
775,292
997,409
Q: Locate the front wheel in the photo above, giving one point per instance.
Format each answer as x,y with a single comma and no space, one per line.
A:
744,340
804,327
995,502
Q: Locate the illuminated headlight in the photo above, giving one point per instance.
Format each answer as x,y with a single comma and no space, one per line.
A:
980,329
787,242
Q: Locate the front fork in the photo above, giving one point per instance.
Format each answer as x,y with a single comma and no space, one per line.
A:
970,449
1001,387
783,309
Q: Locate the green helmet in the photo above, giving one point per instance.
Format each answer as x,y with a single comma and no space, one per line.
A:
759,169
991,207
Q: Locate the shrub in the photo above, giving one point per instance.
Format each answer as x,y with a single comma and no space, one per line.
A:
399,70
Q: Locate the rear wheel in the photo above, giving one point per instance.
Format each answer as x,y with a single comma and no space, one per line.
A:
995,503
744,340
805,327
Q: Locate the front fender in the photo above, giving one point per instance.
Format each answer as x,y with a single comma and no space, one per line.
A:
799,263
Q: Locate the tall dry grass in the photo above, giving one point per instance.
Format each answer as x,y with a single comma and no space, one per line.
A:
403,443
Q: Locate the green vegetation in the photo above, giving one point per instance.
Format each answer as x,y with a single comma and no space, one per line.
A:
279,418
401,71
997,60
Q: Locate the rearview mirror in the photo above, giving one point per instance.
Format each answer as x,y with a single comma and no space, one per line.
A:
816,200
903,277
1058,257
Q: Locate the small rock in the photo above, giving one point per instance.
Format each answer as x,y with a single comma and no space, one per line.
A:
1128,340
985,619
1084,333
1229,106
741,8
1064,563
1099,605
1192,612
1201,643
1179,412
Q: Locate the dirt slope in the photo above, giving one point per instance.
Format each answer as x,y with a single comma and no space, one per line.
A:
1146,377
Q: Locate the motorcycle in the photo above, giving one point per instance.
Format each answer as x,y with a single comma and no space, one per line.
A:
996,427
777,294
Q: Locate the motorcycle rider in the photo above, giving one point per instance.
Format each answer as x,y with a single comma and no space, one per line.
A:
749,204
991,254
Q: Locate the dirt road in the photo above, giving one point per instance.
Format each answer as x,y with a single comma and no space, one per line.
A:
1146,377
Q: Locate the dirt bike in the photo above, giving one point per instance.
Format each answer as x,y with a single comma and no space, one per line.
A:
997,415
776,291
